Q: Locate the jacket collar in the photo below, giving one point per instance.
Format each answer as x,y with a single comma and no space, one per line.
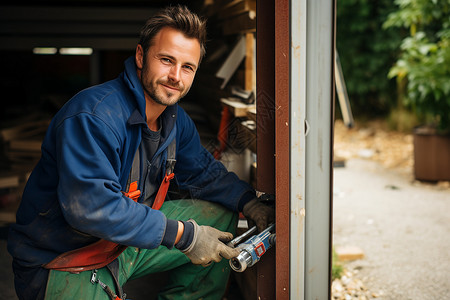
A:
168,120
134,84
168,117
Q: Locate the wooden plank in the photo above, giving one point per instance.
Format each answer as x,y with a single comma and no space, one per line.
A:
240,24
346,253
11,181
251,113
236,7
250,73
24,130
25,145
8,217
23,156
237,108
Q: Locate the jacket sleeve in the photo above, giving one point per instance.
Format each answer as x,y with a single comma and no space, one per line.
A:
201,174
89,189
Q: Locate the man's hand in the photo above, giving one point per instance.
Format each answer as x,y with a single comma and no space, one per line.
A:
259,213
208,245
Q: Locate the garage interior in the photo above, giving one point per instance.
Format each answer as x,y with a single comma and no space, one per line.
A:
41,72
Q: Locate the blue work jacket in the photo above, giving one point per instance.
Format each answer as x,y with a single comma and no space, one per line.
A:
74,195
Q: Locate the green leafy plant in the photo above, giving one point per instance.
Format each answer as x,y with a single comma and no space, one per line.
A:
423,67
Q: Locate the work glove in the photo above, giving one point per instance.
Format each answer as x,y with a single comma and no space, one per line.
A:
208,245
259,214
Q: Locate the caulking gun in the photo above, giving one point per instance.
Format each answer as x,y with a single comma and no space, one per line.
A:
253,248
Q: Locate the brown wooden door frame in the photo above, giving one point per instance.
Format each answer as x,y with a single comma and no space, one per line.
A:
272,81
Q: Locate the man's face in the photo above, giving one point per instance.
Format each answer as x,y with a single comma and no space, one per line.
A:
169,67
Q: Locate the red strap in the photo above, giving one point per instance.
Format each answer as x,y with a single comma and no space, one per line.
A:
93,256
133,191
222,135
162,192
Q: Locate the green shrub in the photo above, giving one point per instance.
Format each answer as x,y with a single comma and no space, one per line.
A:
424,62
367,52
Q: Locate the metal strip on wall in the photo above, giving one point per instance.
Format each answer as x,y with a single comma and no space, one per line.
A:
319,106
297,147
312,103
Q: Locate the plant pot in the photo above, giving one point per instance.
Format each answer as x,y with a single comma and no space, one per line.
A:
431,156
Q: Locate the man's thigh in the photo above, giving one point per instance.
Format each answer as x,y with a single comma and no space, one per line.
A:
135,262
140,262
203,212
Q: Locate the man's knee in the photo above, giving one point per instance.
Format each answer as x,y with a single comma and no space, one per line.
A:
203,212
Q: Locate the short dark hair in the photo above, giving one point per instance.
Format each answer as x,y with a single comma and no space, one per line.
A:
178,17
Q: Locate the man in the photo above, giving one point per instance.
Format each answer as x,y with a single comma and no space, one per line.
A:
79,232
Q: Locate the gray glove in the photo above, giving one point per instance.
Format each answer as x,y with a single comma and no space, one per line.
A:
208,245
259,213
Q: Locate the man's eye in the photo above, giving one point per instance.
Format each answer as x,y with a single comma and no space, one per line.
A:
166,60
187,67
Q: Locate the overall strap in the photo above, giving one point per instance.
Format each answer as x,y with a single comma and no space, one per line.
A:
170,165
103,252
171,152
132,190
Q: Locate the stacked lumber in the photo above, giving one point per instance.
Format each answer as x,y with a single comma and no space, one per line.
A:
237,16
22,143
21,149
230,61
10,187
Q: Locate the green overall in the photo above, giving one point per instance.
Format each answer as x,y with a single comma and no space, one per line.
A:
186,280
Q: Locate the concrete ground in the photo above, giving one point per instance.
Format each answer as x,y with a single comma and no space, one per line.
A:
402,226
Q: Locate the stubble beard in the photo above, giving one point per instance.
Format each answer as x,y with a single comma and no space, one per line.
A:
162,96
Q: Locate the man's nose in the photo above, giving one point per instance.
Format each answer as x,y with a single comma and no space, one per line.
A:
175,73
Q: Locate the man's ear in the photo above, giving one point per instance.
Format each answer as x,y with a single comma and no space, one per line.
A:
139,57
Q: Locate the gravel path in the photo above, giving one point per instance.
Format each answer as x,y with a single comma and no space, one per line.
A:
402,226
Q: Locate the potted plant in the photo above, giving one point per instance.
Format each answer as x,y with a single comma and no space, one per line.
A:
423,68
